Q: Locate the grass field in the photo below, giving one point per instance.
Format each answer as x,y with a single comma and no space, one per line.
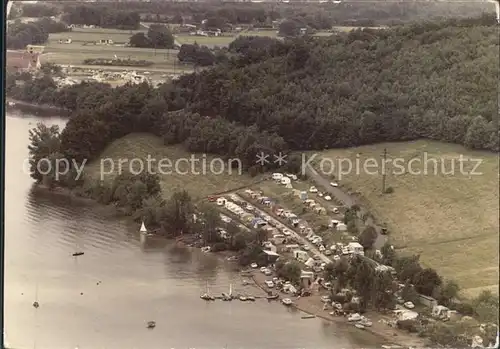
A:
75,53
83,46
95,34
140,146
450,220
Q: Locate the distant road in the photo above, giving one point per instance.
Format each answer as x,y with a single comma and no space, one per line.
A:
348,201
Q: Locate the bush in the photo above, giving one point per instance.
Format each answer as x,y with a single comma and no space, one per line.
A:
408,325
117,62
218,247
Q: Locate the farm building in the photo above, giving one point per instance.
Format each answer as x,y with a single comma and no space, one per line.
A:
22,61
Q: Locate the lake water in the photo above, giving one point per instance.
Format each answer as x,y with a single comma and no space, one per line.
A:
104,298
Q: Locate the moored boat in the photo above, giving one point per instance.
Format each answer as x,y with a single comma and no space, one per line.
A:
206,296
287,301
273,297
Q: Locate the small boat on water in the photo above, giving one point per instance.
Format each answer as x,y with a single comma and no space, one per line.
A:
310,316
273,297
243,298
206,296
287,301
358,325
76,254
228,296
151,324
143,229
251,298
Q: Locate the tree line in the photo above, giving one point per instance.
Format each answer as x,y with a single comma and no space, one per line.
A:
318,16
101,16
380,289
20,34
431,80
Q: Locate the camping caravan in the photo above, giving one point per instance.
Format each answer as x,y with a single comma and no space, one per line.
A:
277,176
300,255
285,181
221,201
355,248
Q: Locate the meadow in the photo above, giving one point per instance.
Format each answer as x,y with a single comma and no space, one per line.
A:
450,219
200,180
83,46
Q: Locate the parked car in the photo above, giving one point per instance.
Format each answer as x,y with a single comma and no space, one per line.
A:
313,190
269,283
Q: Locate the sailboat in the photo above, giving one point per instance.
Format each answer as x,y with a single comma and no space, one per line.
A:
206,296
228,296
143,229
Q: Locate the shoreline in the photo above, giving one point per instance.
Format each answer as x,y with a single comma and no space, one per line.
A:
311,305
34,108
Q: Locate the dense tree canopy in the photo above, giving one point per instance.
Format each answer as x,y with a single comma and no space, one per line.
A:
318,16
102,16
158,36
434,80
20,34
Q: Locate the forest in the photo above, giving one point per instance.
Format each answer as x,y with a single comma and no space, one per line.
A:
318,16
431,80
20,34
126,15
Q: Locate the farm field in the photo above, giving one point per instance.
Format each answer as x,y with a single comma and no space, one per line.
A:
76,53
83,46
450,220
191,178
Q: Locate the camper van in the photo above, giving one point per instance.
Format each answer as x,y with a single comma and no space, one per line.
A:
277,176
285,180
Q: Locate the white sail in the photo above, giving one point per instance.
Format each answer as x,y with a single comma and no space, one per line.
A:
143,228
230,289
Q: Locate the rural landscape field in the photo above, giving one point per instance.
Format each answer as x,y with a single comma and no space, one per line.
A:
142,146
451,220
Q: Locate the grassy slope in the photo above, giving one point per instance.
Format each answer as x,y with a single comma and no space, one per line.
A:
451,220
141,145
